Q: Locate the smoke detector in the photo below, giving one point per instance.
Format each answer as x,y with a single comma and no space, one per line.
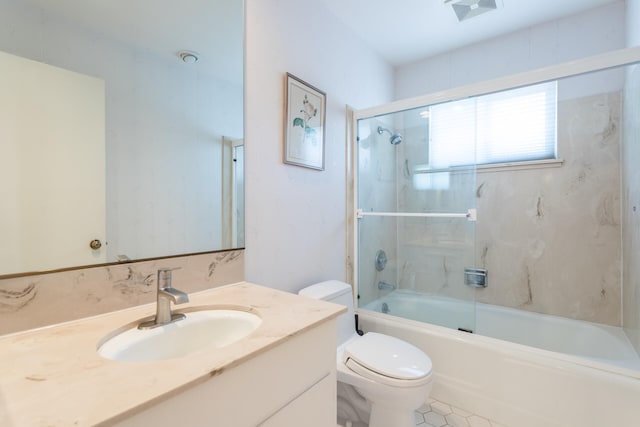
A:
467,9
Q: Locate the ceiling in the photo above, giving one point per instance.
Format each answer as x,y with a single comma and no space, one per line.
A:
403,31
212,28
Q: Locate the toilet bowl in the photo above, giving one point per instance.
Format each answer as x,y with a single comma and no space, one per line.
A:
382,378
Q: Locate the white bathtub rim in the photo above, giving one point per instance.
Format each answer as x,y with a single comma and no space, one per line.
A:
625,355
546,357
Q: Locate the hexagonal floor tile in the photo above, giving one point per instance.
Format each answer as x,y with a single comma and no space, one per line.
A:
435,413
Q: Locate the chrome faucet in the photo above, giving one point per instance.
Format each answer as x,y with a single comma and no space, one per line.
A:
386,286
166,295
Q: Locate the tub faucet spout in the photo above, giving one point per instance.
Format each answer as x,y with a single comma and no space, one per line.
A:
385,308
166,295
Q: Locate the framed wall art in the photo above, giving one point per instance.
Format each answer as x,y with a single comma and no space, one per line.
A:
304,124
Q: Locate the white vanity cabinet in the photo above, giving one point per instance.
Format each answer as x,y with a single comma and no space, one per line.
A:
289,384
282,374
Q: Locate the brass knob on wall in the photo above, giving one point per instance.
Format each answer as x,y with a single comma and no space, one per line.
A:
95,244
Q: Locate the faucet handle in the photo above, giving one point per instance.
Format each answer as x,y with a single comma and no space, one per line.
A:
164,277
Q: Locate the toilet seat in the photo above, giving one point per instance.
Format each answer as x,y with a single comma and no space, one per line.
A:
387,360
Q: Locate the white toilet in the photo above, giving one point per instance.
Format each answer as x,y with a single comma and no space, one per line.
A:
382,380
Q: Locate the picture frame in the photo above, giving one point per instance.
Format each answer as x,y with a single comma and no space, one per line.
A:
305,112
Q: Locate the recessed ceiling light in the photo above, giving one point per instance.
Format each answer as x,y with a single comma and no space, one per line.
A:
189,57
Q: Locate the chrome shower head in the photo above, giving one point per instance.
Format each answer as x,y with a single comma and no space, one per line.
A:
395,138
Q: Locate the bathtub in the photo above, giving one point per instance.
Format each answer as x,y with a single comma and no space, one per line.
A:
589,340
518,368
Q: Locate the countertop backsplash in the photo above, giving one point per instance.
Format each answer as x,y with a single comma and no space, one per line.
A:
39,300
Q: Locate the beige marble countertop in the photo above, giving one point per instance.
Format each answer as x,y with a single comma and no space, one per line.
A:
53,376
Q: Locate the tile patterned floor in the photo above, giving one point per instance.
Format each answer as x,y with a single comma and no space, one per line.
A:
439,414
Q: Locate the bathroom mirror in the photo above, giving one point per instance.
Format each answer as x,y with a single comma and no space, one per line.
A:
121,129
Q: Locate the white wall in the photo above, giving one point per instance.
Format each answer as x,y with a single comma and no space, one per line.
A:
633,18
295,217
589,33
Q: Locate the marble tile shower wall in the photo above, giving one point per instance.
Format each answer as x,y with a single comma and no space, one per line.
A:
550,237
33,301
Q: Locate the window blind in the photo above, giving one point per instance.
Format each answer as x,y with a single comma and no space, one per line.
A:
510,126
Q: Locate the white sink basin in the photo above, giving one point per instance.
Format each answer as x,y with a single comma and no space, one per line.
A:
204,329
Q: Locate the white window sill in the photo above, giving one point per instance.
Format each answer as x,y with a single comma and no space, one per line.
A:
532,164
495,167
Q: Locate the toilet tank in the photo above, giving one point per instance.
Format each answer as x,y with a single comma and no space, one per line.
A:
338,293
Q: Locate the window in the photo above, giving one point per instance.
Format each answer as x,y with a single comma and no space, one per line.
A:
511,126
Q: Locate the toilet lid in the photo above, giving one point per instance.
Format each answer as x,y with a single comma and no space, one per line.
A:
388,356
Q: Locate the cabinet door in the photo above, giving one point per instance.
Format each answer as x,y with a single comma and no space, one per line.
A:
290,385
315,407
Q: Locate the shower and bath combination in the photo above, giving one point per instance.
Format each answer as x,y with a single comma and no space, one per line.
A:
395,138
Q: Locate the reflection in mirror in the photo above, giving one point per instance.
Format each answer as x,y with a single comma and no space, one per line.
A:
113,146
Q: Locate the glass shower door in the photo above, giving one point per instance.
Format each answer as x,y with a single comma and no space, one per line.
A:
415,224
